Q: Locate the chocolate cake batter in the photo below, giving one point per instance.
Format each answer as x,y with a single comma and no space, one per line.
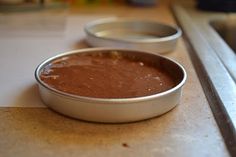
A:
105,75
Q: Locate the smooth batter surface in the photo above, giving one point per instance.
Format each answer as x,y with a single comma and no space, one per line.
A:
103,75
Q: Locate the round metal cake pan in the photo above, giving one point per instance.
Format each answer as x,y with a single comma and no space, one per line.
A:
117,110
132,34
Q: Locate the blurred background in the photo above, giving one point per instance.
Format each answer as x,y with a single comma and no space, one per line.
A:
31,5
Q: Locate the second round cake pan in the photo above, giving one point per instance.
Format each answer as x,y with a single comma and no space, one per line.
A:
134,34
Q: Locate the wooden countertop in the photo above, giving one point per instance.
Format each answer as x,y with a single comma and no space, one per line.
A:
187,130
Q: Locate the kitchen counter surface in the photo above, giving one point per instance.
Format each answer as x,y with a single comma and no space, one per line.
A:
28,128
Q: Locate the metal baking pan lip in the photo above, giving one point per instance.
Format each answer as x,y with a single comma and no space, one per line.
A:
106,100
133,41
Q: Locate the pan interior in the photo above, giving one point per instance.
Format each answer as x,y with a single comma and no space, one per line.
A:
132,30
127,34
